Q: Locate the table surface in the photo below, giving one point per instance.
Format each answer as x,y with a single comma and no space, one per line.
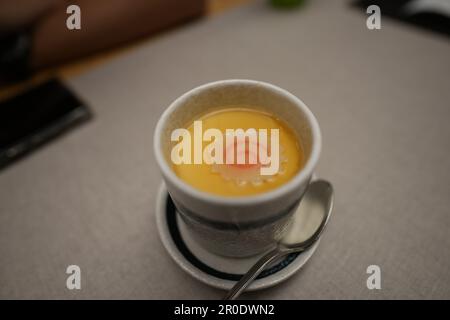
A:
381,98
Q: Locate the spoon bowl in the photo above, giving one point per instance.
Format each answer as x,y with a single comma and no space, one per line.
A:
311,216
308,224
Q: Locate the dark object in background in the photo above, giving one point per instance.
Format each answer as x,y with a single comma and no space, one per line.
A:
403,10
35,116
15,51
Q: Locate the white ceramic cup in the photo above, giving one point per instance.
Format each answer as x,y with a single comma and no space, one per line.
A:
247,225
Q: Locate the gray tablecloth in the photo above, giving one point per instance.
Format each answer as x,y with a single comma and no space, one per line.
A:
381,97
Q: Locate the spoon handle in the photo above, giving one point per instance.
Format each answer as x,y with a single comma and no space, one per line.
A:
257,268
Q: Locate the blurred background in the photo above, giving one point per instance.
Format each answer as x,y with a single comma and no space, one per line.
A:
34,46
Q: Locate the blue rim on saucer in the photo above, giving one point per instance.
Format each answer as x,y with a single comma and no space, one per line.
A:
171,216
188,256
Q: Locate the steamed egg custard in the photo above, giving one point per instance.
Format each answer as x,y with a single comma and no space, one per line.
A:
236,178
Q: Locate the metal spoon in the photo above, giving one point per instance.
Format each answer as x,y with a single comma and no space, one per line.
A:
309,221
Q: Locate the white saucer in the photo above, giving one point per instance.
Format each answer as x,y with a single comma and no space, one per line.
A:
211,269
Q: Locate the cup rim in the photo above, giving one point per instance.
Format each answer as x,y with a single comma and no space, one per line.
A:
297,180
